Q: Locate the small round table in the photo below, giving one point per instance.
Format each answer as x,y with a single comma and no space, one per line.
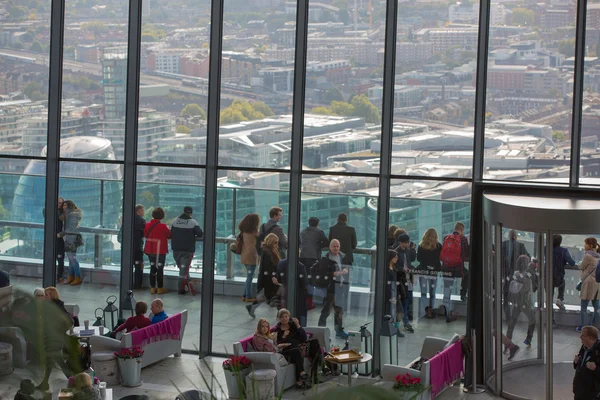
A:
366,357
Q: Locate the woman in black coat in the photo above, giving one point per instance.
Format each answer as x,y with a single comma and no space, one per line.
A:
266,288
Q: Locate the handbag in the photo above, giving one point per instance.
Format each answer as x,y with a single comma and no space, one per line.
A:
580,284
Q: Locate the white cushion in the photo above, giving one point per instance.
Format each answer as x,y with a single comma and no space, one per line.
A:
453,340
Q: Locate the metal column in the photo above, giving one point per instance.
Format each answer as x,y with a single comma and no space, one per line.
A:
549,333
134,36
210,201
296,155
383,202
57,24
578,79
499,281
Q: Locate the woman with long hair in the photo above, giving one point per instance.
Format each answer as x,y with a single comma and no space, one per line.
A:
392,293
249,256
266,287
589,286
157,236
71,217
428,255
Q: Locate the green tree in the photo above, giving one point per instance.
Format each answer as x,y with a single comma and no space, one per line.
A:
365,109
333,94
18,45
36,47
183,129
321,110
192,110
522,16
33,91
567,47
3,212
241,110
232,116
261,107
342,108
558,136
96,27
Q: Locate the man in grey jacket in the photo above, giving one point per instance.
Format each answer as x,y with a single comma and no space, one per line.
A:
184,232
272,226
346,234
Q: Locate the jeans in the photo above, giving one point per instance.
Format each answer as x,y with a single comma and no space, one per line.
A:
561,291
583,312
157,265
183,259
406,304
138,269
428,286
250,269
448,285
73,265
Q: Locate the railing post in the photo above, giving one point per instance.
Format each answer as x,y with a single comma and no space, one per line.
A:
229,272
474,388
97,251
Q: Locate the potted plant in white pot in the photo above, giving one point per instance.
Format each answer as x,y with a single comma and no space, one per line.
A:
130,365
235,369
409,387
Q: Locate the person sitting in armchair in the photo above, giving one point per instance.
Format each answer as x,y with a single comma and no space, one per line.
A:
158,312
138,321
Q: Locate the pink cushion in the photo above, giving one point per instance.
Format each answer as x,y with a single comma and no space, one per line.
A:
244,342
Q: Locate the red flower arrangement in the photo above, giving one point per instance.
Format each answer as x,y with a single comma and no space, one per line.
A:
408,383
236,364
130,352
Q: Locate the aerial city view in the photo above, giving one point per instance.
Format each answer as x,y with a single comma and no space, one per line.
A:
528,113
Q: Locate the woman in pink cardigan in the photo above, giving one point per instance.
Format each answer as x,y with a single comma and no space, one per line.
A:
264,341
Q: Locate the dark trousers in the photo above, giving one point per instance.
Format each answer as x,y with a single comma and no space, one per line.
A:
505,300
55,358
464,283
294,356
60,264
561,291
138,269
183,259
529,313
335,299
157,265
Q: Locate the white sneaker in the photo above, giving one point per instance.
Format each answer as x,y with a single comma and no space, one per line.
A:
560,304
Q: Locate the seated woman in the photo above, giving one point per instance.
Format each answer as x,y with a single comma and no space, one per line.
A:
290,333
136,322
158,312
263,340
39,294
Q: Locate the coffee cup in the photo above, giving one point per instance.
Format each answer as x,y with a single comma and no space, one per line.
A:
86,324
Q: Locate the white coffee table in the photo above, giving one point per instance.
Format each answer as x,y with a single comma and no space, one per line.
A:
366,357
77,330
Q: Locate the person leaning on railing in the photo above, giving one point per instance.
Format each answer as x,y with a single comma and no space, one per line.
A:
157,236
71,218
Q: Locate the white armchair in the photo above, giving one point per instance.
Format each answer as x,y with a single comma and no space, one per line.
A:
286,374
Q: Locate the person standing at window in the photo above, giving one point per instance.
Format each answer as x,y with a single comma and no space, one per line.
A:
346,235
589,286
71,218
312,241
428,255
157,236
184,231
248,228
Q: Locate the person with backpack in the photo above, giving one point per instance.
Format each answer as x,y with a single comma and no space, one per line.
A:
157,236
454,253
267,288
330,276
272,226
184,232
249,258
560,258
588,286
407,253
511,250
522,285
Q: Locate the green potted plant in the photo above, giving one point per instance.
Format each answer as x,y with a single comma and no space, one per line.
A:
409,387
235,369
130,365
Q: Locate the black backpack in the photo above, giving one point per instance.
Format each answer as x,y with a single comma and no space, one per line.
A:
261,237
320,273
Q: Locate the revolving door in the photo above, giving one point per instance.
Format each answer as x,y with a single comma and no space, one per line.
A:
529,341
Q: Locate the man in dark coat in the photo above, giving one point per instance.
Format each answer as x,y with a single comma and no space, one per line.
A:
312,241
511,250
346,234
586,383
301,288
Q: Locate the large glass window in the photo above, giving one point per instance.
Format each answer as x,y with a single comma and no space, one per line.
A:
529,84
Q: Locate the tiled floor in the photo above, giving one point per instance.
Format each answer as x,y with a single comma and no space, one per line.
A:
163,380
231,322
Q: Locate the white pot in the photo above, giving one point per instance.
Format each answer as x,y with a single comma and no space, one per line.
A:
131,371
235,383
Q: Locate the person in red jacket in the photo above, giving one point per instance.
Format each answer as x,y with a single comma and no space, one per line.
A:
157,237
138,321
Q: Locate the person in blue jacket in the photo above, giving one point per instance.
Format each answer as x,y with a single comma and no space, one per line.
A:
158,312
560,258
